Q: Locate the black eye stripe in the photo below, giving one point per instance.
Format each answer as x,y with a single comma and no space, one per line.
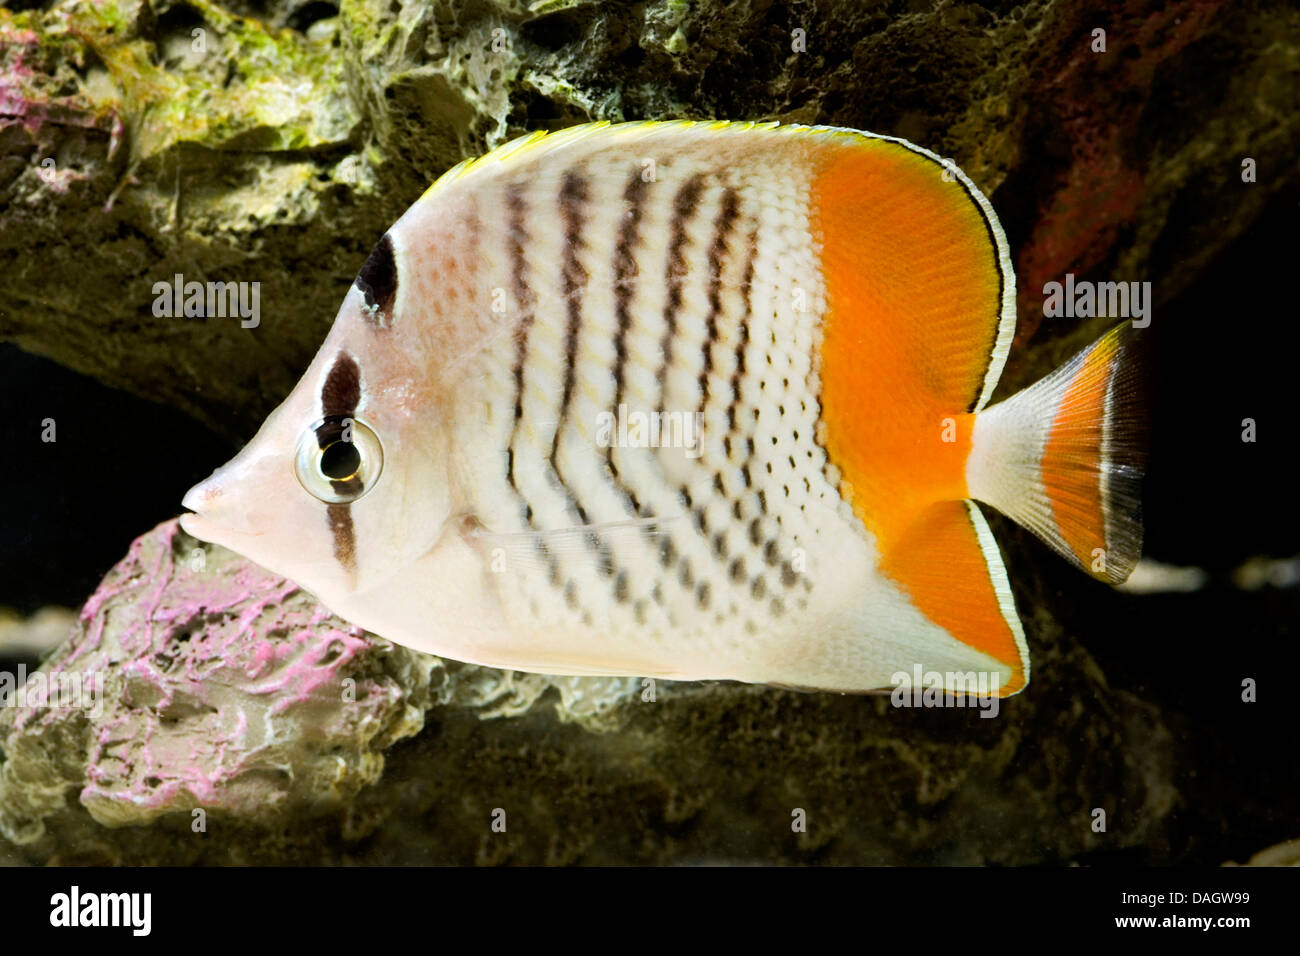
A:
349,486
342,390
344,535
330,430
378,280
339,398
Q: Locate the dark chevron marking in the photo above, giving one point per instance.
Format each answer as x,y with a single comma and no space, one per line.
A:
684,206
526,301
737,377
574,194
728,213
378,281
573,280
723,225
625,275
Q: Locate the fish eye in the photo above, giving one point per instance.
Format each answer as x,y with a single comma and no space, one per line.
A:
339,459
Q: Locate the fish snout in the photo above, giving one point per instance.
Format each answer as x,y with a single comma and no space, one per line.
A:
203,497
201,501
216,512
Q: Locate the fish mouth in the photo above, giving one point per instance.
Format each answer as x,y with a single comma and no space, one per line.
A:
198,522
197,500
192,521
198,526
193,500
202,527
189,523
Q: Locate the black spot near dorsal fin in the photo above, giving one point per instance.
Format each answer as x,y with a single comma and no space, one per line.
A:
341,393
378,281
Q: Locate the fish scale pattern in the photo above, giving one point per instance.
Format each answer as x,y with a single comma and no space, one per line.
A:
693,296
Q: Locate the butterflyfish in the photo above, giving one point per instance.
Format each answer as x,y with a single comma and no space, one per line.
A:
688,401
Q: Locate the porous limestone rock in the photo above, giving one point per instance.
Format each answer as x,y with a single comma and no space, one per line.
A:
195,680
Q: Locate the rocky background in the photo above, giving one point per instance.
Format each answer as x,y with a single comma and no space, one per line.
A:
276,141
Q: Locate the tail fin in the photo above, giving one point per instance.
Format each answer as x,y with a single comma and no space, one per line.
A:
1064,458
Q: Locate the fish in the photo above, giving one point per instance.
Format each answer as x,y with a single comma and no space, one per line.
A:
689,401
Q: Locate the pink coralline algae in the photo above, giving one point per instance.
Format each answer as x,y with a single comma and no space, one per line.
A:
195,680
29,102
206,683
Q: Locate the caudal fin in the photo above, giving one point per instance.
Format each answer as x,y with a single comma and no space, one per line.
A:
1064,458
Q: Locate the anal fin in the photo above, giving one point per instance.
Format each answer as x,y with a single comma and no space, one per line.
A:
948,564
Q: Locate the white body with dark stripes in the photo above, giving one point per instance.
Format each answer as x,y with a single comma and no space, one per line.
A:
507,317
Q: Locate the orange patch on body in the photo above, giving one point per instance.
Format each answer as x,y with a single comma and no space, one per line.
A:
913,301
938,560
